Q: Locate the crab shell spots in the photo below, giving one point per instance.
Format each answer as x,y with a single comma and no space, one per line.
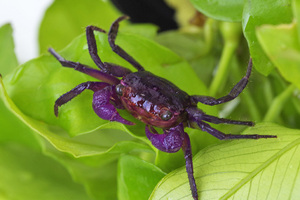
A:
149,98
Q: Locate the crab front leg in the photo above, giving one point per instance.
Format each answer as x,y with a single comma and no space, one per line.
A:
171,141
103,94
109,68
85,69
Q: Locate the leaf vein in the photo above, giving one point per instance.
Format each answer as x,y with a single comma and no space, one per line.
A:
255,172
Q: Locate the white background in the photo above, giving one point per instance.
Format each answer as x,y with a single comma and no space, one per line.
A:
25,17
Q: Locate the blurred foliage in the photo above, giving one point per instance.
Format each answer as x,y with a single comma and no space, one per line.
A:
95,159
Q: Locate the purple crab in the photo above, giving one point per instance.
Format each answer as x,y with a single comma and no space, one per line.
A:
151,99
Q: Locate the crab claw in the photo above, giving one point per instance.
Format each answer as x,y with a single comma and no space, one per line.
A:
170,141
109,112
104,109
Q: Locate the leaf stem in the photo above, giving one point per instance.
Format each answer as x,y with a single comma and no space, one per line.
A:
231,34
278,103
209,34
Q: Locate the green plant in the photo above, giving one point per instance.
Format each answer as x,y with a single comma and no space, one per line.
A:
71,157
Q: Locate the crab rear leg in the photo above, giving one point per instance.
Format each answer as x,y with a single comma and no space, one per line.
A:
103,94
236,90
171,141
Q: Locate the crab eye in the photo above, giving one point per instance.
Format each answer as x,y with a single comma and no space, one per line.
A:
119,89
166,115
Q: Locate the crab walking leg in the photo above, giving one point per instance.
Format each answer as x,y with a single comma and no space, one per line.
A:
171,141
112,34
236,90
196,115
217,120
186,147
76,91
109,68
85,69
91,41
222,136
104,109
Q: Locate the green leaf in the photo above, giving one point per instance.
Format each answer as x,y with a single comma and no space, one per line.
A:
26,174
93,154
54,80
101,144
8,59
136,178
12,129
99,177
281,44
194,49
66,19
145,30
257,13
296,12
242,169
225,10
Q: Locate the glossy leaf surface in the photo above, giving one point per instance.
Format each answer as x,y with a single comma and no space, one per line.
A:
225,10
242,169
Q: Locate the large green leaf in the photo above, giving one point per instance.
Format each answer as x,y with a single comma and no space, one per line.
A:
36,85
99,177
257,13
100,144
91,163
53,80
281,44
195,48
136,178
8,59
225,10
242,169
66,19
26,174
12,129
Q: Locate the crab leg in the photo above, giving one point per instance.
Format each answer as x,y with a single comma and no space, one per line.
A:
103,94
187,150
222,136
85,69
171,141
236,90
104,109
112,34
217,120
109,68
196,115
76,91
